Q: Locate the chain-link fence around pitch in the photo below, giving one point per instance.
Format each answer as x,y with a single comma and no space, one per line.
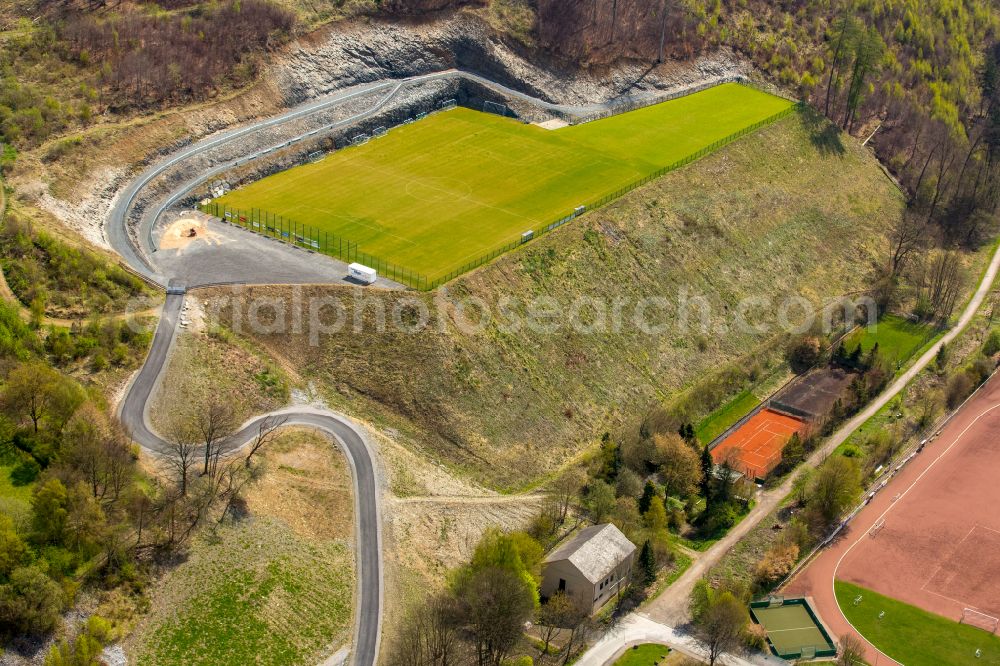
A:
311,238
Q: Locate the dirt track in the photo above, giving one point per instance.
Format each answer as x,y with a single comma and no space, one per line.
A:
938,549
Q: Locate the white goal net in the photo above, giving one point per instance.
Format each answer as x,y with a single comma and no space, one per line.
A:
979,619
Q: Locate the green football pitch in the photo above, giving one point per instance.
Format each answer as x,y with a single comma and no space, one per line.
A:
436,194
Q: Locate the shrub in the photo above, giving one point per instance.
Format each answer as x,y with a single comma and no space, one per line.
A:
992,344
755,637
777,563
802,353
25,472
30,602
718,518
959,387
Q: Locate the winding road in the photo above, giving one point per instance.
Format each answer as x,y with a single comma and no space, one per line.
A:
138,250
133,412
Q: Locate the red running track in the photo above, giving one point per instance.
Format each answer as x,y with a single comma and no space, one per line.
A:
939,548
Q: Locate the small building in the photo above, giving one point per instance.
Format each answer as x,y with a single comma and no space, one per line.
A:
590,568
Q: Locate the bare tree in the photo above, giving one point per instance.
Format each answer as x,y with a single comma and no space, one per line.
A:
181,454
720,624
553,615
567,487
852,651
215,424
941,283
907,235
495,603
266,431
233,478
429,634
579,623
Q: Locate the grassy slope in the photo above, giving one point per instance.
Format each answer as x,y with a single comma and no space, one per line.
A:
203,368
914,636
773,214
716,423
274,588
897,338
458,184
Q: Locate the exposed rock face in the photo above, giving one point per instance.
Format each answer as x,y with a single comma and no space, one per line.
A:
350,54
361,52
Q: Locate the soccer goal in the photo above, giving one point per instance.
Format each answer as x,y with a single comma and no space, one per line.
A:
775,601
876,528
360,139
498,109
807,652
979,619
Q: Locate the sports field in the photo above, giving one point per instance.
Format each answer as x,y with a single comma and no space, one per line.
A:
790,628
755,447
933,562
436,194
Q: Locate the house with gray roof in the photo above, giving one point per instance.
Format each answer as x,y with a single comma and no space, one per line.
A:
591,568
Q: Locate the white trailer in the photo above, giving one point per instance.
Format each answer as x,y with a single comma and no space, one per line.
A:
362,273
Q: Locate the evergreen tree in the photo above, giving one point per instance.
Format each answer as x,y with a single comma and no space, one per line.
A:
855,356
648,493
871,358
647,563
839,355
706,476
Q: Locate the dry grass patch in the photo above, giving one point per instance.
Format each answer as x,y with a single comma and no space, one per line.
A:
206,366
308,486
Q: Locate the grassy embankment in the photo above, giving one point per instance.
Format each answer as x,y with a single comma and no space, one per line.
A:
913,636
276,586
897,338
779,212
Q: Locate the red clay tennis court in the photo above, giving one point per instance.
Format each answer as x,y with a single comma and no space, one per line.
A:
755,447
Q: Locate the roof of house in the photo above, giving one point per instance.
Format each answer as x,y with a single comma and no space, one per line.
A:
595,551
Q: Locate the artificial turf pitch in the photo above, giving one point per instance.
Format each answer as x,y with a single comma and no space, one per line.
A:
438,193
790,628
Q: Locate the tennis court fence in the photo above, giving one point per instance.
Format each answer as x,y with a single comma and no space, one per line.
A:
294,232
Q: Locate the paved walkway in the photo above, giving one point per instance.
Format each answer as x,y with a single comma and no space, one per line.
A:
637,628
